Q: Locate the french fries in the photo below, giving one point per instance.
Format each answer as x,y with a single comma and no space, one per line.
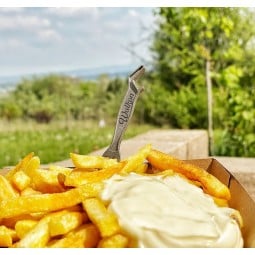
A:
22,227
6,236
210,184
79,177
20,180
115,241
65,221
37,237
22,165
61,207
137,160
86,236
7,191
91,162
46,202
106,221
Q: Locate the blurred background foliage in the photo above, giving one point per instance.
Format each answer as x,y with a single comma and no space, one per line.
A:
185,39
175,89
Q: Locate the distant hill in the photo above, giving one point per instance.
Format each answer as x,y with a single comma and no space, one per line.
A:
93,73
9,82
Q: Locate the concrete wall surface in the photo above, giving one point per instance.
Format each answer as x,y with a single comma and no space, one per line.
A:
183,144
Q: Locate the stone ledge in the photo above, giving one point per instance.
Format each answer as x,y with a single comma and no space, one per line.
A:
183,144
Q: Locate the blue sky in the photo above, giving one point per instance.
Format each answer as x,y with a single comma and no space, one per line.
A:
51,39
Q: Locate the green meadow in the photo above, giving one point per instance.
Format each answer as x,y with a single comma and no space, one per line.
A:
53,142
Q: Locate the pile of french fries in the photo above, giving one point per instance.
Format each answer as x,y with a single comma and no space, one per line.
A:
61,207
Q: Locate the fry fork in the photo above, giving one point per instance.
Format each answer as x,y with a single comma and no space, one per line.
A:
125,113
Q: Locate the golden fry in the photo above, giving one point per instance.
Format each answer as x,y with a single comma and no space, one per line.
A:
115,241
6,189
6,236
47,202
220,202
105,220
92,162
46,181
78,178
11,222
59,169
32,165
86,236
37,237
22,227
66,221
20,166
20,180
210,184
39,203
141,169
29,191
136,160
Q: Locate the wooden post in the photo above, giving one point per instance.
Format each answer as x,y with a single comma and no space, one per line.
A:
209,106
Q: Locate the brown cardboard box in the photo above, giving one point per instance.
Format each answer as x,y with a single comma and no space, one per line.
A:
240,199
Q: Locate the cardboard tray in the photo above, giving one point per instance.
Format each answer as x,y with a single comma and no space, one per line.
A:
240,199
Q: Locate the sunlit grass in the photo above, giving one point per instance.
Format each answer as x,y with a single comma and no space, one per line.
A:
54,142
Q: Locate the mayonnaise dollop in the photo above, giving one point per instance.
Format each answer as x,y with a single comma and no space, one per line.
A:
158,211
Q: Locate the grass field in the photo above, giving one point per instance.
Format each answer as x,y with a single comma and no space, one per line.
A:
53,142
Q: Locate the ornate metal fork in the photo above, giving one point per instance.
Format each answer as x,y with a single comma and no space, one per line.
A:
125,113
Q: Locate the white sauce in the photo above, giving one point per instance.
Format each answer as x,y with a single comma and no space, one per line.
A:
159,211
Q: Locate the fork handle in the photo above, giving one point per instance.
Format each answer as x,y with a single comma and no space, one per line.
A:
123,118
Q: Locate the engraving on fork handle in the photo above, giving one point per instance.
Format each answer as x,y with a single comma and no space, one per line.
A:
125,111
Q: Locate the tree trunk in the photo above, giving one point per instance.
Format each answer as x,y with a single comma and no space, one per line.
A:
209,106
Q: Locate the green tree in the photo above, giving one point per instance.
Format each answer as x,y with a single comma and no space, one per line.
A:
116,89
236,116
54,97
186,37
185,41
9,109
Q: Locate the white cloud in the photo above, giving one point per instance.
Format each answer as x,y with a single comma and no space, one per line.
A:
70,37
49,35
69,12
133,13
11,9
22,22
14,43
11,43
